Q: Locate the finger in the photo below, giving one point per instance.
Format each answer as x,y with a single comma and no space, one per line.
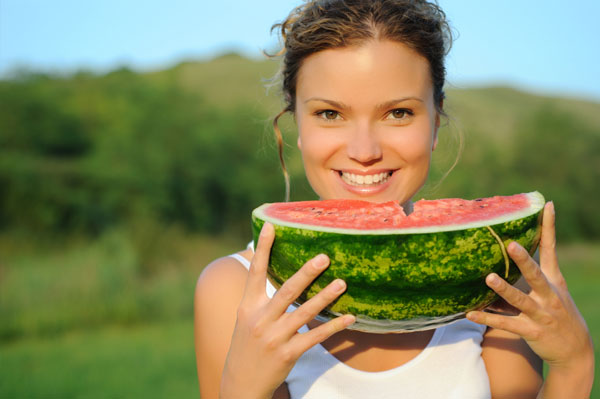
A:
311,308
530,270
513,324
512,295
548,258
293,287
500,306
257,273
307,340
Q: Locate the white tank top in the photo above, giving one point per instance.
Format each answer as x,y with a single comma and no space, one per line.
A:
449,367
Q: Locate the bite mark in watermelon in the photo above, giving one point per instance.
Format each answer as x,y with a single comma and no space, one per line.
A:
403,273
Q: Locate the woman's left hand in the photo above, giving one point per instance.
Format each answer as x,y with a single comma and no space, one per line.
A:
549,320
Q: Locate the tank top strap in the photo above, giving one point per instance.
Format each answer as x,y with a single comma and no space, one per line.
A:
245,262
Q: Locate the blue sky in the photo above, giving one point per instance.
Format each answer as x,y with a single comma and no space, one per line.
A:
545,46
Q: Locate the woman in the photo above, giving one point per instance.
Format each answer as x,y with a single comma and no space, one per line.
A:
364,80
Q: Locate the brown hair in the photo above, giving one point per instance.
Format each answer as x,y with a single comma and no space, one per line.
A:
327,24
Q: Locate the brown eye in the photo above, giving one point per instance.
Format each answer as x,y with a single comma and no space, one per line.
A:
328,114
400,113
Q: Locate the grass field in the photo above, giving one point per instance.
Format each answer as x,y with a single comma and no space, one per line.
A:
149,361
136,339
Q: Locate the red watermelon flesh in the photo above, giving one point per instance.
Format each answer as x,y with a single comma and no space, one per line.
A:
364,215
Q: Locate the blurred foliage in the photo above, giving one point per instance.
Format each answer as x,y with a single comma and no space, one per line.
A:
122,277
190,146
82,154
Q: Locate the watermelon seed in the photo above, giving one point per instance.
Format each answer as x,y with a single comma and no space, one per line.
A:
502,248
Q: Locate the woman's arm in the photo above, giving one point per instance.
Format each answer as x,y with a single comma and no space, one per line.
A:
549,320
515,371
217,297
218,294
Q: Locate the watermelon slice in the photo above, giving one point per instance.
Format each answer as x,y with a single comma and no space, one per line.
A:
404,273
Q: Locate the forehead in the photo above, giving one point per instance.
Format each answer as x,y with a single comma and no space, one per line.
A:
375,68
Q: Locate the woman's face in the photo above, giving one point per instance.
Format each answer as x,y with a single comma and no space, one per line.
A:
367,121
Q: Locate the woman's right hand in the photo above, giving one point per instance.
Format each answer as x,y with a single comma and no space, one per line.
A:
266,344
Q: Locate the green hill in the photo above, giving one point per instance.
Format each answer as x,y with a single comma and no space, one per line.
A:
192,145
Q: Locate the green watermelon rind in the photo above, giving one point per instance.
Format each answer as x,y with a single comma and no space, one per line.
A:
399,281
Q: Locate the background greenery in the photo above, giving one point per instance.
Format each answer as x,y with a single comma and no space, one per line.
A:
117,189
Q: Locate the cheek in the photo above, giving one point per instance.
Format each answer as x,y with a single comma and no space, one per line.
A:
312,151
414,147
317,145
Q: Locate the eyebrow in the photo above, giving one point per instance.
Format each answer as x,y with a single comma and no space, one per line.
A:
387,104
391,103
330,102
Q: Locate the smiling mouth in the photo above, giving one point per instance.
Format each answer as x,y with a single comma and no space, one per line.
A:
365,180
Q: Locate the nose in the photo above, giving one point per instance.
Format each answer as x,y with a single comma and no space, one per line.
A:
363,144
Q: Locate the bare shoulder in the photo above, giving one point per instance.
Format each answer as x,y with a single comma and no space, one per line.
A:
223,270
217,296
220,288
514,370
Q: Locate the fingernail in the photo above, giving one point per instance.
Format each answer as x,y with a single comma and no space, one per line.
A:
266,228
338,285
552,207
321,260
493,280
516,247
472,316
349,320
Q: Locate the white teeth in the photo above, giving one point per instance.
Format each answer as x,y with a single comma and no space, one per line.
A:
361,180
